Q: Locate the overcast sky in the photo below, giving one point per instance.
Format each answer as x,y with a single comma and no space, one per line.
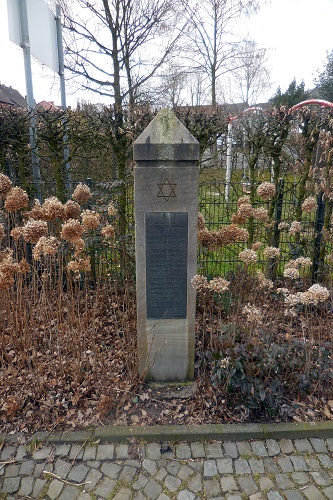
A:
298,32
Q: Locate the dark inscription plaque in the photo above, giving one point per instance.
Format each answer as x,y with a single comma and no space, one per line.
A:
166,264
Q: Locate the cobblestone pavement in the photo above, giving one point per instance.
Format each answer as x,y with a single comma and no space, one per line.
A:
270,469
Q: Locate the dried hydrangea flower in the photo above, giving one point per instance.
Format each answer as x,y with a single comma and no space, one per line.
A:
45,246
283,226
16,199
5,185
218,285
79,246
108,232
295,227
199,282
260,214
245,210
264,282
271,252
266,190
112,211
201,222
81,193
248,256
244,199
252,313
36,211
79,265
90,220
8,269
34,229
72,210
255,246
24,267
290,272
2,232
53,208
17,232
315,294
71,230
309,204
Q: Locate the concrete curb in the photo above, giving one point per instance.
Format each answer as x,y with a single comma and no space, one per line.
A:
209,432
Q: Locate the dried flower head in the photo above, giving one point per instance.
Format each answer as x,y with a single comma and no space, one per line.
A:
260,214
81,193
8,269
201,222
5,185
248,256
24,267
36,211
112,211
199,282
290,272
266,190
17,233
315,294
309,204
72,210
243,199
108,232
34,229
264,282
255,246
295,227
79,246
245,210
16,199
90,220
283,226
271,253
2,232
53,208
79,265
45,246
71,230
252,314
218,285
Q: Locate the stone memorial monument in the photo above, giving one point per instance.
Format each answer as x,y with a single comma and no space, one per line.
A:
166,218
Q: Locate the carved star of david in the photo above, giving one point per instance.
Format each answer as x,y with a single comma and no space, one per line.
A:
166,190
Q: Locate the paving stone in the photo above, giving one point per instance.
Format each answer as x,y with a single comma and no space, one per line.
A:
329,442
121,451
259,449
93,463
38,470
11,484
22,452
242,466
247,485
27,484
198,450
62,468
105,487
284,482
195,483
299,463
42,454
172,483
12,470
230,449
214,450
92,479
69,492
286,446
321,478
55,488
312,463
256,496
328,492
312,493
232,496
89,452
163,496
274,495
39,486
111,470
265,483
244,449
285,464
7,453
173,468
300,477
76,452
273,447
318,445
303,446
325,460
211,487
152,489
161,474
271,466
141,496
293,495
185,472
140,483
27,467
104,452
224,465
78,473
185,495
183,451
84,496
149,466
257,465
62,450
123,494
134,463
210,468
127,474
228,483
153,451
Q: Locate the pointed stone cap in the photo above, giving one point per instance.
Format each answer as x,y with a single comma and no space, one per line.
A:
166,138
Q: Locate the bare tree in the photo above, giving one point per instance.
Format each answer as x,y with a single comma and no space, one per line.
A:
213,42
171,91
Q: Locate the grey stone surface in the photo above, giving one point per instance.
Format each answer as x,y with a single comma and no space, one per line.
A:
258,448
242,466
121,451
228,483
214,450
42,453
210,468
69,492
230,449
195,483
11,484
198,450
257,465
286,446
303,446
104,452
172,483
224,465
39,486
27,484
319,445
248,486
105,487
244,449
211,487
273,447
183,451
78,473
286,464
299,463
152,489
54,489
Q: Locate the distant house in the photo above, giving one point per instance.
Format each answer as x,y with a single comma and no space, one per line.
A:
11,98
47,106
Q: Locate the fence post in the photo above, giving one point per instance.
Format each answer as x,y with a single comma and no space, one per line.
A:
318,228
